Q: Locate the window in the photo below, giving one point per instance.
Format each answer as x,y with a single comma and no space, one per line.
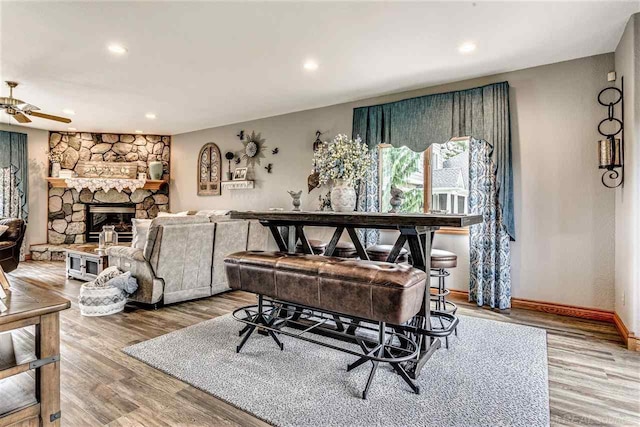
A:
446,179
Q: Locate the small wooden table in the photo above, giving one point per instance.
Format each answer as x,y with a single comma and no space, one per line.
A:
22,399
85,262
416,230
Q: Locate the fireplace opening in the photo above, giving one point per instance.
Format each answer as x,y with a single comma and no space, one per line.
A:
118,215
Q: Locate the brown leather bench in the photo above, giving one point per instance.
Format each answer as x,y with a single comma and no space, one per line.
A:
378,292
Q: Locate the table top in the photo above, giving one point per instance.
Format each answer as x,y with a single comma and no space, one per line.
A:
359,219
89,249
24,303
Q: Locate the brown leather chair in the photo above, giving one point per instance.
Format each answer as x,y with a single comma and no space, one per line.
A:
10,243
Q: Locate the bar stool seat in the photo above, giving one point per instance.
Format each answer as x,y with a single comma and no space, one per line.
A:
317,246
381,252
345,250
443,259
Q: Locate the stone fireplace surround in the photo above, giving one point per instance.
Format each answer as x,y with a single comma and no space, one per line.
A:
67,207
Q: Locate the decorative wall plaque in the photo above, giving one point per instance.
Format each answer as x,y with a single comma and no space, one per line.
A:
121,170
209,170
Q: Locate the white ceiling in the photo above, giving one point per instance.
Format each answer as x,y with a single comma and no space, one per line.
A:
198,65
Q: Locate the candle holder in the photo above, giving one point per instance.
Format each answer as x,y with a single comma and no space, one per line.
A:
611,149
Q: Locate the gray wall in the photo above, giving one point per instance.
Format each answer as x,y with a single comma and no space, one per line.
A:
564,216
627,222
37,146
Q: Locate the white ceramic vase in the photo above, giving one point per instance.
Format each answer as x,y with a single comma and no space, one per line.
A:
55,170
343,196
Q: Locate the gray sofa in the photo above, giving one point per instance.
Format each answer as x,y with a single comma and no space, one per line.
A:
183,256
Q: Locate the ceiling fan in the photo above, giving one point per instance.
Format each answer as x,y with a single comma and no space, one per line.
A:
19,109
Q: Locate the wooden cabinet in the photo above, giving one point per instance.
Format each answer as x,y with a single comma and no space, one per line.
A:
30,363
84,263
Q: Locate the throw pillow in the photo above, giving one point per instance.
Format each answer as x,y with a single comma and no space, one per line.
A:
3,228
215,212
124,282
184,213
106,275
140,231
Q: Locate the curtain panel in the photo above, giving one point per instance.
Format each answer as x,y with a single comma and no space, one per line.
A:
14,162
481,113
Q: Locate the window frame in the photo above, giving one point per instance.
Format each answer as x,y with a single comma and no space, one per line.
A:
427,195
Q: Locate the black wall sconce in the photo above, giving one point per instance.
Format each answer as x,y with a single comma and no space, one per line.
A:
611,149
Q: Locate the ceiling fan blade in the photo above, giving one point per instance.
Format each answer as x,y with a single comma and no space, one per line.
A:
48,117
21,118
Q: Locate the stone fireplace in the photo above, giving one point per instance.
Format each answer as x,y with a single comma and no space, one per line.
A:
71,219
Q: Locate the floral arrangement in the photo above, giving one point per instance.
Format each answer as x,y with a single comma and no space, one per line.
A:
54,157
342,158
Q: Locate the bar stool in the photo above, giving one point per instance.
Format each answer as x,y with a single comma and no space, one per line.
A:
381,253
345,250
317,247
441,261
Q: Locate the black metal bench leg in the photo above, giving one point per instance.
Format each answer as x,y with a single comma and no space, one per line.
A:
381,341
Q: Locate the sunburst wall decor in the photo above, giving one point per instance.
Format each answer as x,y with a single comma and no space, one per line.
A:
253,151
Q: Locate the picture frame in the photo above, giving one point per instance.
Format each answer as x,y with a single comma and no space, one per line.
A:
240,174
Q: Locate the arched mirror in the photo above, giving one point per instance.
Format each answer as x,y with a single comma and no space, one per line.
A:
209,170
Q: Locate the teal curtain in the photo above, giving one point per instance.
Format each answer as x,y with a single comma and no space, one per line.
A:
14,160
482,113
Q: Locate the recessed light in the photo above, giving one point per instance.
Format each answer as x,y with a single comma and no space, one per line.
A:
310,65
150,116
467,47
117,49
138,131
72,129
69,111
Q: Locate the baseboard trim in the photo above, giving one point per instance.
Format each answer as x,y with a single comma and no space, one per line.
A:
630,340
553,308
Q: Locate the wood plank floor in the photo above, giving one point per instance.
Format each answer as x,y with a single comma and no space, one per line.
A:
593,379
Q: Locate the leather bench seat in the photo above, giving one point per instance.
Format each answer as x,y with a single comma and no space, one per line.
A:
377,291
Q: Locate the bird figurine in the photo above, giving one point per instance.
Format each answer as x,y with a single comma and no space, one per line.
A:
275,151
397,197
238,160
241,135
268,167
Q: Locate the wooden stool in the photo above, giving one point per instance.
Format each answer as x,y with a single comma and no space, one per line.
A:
441,262
345,250
317,246
381,253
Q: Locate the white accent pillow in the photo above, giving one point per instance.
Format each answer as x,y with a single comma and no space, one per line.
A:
140,231
215,212
3,228
161,214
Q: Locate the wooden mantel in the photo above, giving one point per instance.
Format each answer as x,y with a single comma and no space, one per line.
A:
151,184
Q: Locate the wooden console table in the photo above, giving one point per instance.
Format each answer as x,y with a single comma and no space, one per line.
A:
30,371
